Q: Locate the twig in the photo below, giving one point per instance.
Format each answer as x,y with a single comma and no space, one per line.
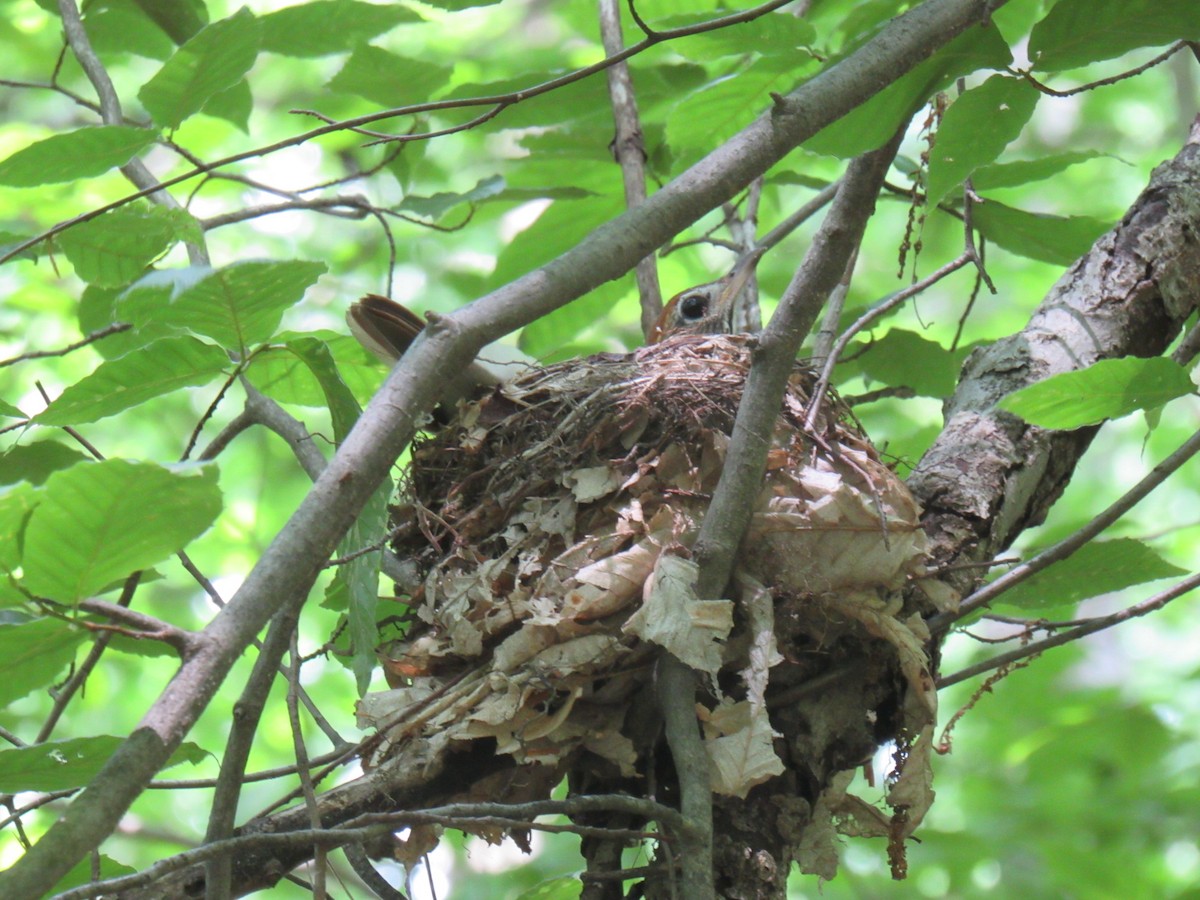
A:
1158,601
1103,82
629,149
357,123
866,319
110,113
115,328
1069,545
292,673
728,515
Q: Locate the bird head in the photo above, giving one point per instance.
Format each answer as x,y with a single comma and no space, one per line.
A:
706,308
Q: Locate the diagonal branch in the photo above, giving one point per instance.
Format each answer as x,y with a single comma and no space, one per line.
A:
287,569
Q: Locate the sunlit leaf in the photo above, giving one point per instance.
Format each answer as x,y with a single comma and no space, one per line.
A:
35,653
1053,239
212,61
329,26
119,384
1011,174
239,306
61,765
388,79
1077,32
75,154
1107,389
976,128
113,249
98,522
867,126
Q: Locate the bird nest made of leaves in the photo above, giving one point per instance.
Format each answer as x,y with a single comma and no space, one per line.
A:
550,525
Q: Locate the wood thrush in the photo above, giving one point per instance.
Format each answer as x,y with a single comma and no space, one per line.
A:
387,328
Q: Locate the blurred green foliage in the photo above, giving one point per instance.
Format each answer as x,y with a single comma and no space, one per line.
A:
1076,776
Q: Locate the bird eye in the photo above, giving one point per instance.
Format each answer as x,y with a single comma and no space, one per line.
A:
693,307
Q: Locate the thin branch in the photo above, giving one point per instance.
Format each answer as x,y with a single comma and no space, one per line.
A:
1157,602
246,715
367,827
1103,82
286,571
629,149
1070,544
110,113
115,328
292,673
357,123
80,675
866,319
729,514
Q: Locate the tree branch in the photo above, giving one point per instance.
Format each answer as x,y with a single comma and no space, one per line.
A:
289,566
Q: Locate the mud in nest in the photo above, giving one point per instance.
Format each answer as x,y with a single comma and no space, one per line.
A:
550,526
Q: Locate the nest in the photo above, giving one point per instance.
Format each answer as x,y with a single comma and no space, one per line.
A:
551,525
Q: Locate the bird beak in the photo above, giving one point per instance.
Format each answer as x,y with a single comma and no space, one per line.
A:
741,273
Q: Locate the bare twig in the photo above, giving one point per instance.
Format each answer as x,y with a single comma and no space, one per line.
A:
288,568
866,319
115,328
1103,82
630,151
110,112
1157,602
1069,545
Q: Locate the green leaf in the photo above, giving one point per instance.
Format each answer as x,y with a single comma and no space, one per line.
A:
1077,32
906,359
975,129
279,373
359,576
81,873
7,409
436,206
212,61
35,461
118,26
455,5
1053,239
388,79
1018,172
180,19
870,124
1094,569
62,765
74,155
98,522
16,505
234,105
35,654
118,384
239,306
718,109
779,33
114,249
329,26
1108,389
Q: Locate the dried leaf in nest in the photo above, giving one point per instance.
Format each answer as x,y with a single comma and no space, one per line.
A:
552,522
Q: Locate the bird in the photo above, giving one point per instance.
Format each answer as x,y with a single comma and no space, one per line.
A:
388,328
